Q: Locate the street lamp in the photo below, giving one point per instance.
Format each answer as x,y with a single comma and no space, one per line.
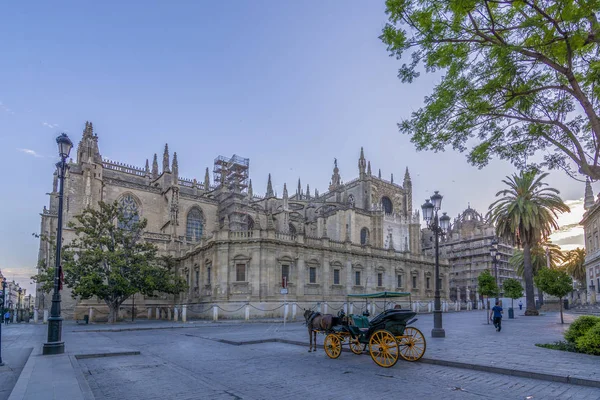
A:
495,255
2,318
55,345
19,305
439,226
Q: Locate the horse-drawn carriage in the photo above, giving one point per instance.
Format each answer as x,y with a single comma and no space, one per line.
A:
387,335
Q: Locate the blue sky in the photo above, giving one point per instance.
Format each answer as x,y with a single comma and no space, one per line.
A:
291,85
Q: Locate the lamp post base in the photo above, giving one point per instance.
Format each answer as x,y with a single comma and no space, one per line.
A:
53,348
438,332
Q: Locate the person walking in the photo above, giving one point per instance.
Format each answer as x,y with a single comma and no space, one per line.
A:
520,305
496,313
7,317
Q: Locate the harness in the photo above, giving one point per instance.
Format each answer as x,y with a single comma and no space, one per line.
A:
312,317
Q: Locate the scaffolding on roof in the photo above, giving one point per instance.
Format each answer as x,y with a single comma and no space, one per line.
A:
232,172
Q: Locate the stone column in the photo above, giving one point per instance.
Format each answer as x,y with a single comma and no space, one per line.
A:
215,313
247,316
91,314
324,307
149,311
184,313
45,316
285,311
175,314
351,308
35,316
157,312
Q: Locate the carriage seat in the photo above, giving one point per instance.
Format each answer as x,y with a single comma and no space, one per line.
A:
362,323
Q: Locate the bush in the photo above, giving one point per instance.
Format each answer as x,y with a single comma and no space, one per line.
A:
590,342
579,327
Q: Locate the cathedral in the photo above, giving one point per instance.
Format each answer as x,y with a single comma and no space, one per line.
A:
235,247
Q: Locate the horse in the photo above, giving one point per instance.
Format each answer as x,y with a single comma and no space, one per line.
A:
316,321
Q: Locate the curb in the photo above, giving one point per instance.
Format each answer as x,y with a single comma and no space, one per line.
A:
100,355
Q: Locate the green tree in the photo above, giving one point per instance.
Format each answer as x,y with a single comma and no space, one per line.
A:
539,260
487,286
556,283
526,215
109,259
520,78
512,289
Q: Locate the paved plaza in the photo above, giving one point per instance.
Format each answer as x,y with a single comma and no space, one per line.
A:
269,360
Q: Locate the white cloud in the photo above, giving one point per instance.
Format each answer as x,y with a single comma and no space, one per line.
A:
30,152
570,233
49,125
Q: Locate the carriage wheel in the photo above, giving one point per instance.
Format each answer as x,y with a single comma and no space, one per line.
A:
333,345
383,348
356,346
413,345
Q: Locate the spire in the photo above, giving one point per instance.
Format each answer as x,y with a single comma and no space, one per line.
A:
87,149
175,168
335,178
307,192
269,188
362,164
285,192
299,190
166,159
379,175
588,200
250,193
147,168
392,178
206,180
316,193
369,168
407,177
155,167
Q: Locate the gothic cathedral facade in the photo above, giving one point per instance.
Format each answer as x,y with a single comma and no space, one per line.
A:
236,247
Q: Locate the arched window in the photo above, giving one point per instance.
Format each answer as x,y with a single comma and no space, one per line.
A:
129,208
194,225
364,236
387,205
292,229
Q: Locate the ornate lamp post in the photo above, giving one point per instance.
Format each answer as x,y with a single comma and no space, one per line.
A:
2,318
439,226
55,345
495,255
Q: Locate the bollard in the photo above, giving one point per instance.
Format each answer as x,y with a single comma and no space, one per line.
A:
215,313
35,316
157,312
149,311
247,316
175,314
351,308
346,308
429,307
318,307
184,313
324,307
285,312
294,307
45,316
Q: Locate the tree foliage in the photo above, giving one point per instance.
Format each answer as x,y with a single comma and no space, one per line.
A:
525,214
555,282
512,288
109,259
539,259
574,264
487,284
520,77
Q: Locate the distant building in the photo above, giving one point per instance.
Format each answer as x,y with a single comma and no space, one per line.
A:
467,249
591,223
233,246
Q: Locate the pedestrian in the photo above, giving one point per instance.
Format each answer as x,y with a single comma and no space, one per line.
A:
7,317
520,305
496,312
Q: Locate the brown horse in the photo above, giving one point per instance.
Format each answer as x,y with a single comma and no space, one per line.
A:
316,321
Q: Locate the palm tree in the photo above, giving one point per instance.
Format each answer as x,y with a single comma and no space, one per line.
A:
573,264
539,259
526,215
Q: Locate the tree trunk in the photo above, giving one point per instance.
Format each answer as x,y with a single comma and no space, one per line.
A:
113,312
562,321
528,275
488,308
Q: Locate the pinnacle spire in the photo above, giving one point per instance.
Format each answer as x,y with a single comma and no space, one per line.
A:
206,180
336,179
362,164
155,167
250,192
588,200
166,159
392,178
379,175
175,167
369,168
147,168
285,192
299,190
307,192
269,188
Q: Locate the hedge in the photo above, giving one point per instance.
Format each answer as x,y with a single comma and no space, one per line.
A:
590,342
579,327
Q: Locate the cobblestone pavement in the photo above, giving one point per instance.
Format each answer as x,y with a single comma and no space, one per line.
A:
181,365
